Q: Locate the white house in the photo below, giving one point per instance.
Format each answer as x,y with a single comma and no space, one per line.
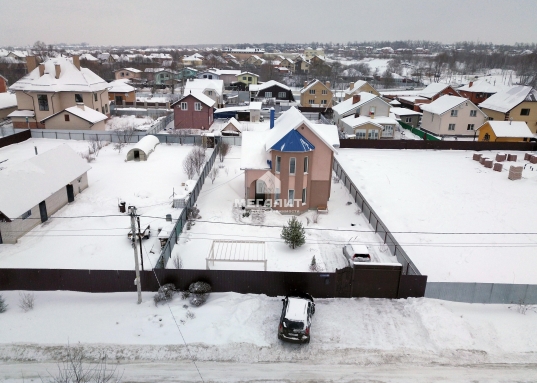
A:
362,104
452,116
214,89
37,188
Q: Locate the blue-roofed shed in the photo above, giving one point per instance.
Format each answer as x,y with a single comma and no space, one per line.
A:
293,142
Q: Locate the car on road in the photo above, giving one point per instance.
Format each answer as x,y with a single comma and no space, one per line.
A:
295,321
356,253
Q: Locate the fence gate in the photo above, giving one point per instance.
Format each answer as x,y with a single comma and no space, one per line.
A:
344,282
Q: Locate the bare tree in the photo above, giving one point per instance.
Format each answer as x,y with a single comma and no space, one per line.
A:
188,166
75,369
213,174
198,158
223,150
123,137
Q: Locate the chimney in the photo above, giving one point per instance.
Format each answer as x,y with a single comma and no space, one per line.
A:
327,84
41,69
76,61
305,84
31,63
470,84
80,105
272,118
351,86
355,98
58,69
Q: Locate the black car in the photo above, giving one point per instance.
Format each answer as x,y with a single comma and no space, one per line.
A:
295,322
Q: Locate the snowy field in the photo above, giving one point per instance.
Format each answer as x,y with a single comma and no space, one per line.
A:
233,329
324,239
100,242
439,196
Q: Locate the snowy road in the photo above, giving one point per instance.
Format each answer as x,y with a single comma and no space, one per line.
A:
289,372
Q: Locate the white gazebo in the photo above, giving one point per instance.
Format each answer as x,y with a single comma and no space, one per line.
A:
237,251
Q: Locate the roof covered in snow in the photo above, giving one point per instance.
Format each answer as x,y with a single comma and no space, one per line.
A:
433,89
311,84
265,85
442,104
146,145
256,145
22,113
505,101
404,112
8,100
202,84
71,79
199,96
26,184
347,105
357,85
84,113
133,70
355,122
518,129
481,86
232,121
120,86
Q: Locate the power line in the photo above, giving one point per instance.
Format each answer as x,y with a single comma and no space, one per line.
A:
173,316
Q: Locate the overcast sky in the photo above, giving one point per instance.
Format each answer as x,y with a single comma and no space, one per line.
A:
179,22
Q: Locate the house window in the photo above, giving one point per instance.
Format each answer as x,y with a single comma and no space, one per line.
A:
408,119
197,106
122,74
525,112
184,106
27,214
66,117
360,134
306,165
277,193
102,109
372,110
95,96
278,163
292,165
304,195
470,127
312,91
324,91
209,93
291,199
323,102
244,77
268,94
78,97
387,131
281,94
473,113
42,100
454,113
491,118
486,137
106,108
310,102
249,79
373,134
451,127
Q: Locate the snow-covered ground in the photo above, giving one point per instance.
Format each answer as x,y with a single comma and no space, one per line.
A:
100,243
324,239
431,199
130,122
235,328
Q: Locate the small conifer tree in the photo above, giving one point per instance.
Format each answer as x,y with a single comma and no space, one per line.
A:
3,304
293,233
313,264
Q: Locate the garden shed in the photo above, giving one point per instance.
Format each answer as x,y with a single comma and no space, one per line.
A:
142,150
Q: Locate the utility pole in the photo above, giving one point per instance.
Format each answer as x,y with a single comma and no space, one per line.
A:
132,211
140,237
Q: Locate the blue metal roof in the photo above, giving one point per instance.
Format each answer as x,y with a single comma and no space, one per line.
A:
293,142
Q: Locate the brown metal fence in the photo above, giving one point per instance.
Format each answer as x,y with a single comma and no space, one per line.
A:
436,145
15,138
367,281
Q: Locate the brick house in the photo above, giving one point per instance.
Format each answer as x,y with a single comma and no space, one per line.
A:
193,111
289,167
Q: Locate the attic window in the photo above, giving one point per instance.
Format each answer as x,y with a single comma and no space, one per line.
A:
78,97
312,91
66,117
454,113
197,106
524,112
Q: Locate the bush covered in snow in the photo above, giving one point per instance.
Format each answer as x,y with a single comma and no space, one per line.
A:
199,292
165,293
26,301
